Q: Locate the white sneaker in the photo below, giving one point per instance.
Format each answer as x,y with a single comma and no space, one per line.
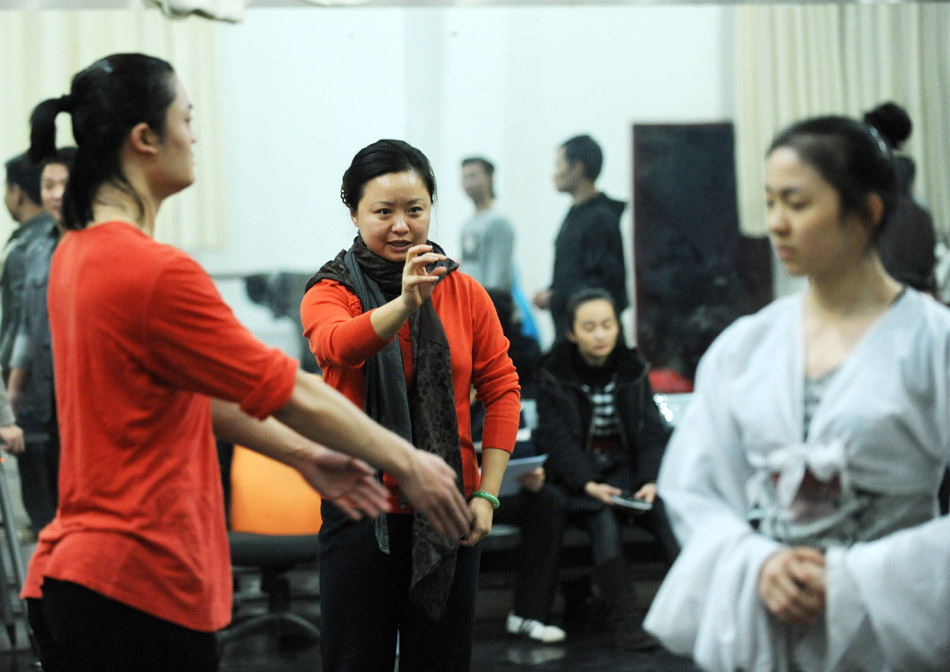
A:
532,629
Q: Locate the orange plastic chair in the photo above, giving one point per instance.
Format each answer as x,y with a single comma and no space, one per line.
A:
268,497
274,519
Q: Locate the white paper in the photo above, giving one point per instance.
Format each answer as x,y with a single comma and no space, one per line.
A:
518,467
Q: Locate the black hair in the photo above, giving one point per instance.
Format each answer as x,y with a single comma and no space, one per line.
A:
906,171
850,156
893,124
583,296
891,121
585,149
25,173
64,156
487,166
381,158
106,100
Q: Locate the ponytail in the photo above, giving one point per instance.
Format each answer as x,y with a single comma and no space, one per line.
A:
43,127
106,100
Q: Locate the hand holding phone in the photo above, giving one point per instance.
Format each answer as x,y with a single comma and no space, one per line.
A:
628,501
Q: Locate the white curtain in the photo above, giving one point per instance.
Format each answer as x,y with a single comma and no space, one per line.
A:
42,50
795,62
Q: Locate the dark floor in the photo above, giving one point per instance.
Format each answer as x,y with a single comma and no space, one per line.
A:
586,650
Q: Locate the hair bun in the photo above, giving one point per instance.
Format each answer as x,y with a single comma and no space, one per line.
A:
891,121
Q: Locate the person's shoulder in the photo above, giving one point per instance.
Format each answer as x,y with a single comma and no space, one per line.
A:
165,257
934,315
457,278
630,361
497,218
330,290
460,284
122,240
148,259
37,224
603,203
31,231
750,331
556,364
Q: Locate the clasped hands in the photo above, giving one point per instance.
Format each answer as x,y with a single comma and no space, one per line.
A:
792,585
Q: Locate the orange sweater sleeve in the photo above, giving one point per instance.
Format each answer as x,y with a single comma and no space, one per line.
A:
339,332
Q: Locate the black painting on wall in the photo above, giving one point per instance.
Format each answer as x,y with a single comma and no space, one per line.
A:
695,273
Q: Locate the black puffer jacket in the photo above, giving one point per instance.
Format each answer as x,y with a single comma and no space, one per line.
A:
565,417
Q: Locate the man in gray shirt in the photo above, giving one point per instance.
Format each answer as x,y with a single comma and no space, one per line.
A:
487,238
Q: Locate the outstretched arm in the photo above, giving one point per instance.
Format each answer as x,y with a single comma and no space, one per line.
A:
322,414
348,482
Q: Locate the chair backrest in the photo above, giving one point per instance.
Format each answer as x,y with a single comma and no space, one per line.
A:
268,497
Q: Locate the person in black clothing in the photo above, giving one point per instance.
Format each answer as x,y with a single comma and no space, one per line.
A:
538,509
588,250
604,436
25,204
525,352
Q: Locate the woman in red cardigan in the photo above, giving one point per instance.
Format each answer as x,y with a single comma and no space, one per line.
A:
405,336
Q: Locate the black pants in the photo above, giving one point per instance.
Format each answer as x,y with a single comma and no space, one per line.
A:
79,630
364,603
541,516
39,471
606,534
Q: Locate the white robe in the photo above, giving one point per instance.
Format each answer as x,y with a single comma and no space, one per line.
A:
888,601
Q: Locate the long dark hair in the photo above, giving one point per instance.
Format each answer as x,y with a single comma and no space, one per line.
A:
106,100
851,156
381,158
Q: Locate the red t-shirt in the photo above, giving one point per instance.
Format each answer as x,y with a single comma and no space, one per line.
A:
141,341
342,338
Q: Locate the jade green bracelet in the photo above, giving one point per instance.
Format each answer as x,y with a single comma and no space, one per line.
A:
495,503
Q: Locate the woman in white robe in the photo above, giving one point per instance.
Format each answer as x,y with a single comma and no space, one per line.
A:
820,428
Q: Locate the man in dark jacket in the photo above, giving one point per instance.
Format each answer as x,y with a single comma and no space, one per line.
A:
24,203
588,251
604,437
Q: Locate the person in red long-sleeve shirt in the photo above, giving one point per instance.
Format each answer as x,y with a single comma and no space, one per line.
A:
405,336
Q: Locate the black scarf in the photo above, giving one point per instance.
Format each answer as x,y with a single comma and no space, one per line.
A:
424,414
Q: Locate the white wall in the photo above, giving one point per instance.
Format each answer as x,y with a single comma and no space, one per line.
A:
304,89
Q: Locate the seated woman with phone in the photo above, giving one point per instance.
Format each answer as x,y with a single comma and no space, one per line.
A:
605,438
